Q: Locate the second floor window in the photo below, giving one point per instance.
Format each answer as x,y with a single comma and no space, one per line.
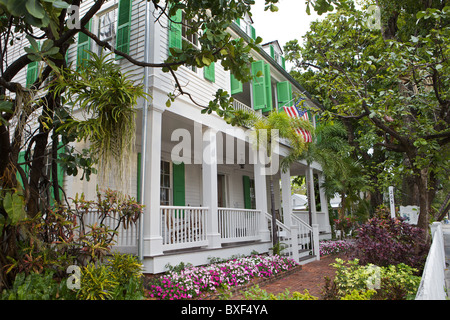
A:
190,38
107,26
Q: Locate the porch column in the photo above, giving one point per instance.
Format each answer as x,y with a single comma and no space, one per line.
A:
324,204
310,182
261,199
286,196
286,199
152,217
209,178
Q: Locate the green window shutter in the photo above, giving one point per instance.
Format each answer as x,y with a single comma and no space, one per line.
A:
175,40
258,85
25,168
268,84
247,197
272,51
209,72
236,85
179,195
59,173
284,93
252,32
84,44
138,184
283,62
123,27
238,21
60,168
32,72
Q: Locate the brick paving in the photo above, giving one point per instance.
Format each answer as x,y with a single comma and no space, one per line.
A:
310,276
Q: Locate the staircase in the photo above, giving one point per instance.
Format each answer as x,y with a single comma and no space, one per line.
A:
300,241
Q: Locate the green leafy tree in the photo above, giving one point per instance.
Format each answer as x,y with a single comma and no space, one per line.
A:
389,86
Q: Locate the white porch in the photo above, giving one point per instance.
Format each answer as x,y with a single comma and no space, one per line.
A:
216,219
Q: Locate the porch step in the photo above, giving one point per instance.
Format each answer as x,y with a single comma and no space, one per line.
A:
307,259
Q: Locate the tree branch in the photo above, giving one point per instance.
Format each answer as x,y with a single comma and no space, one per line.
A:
126,56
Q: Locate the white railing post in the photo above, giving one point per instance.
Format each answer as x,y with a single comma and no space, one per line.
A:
294,241
315,231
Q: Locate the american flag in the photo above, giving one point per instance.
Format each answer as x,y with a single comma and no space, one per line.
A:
297,112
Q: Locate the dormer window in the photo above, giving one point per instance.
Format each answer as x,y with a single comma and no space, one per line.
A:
274,50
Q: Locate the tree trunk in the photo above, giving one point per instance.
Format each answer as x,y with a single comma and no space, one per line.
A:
424,205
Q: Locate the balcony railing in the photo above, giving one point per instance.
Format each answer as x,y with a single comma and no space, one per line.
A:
237,105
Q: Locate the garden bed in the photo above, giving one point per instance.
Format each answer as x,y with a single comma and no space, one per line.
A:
213,280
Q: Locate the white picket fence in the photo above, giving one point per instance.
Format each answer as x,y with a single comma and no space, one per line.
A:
432,285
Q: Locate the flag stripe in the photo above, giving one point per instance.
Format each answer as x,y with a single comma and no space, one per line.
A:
294,112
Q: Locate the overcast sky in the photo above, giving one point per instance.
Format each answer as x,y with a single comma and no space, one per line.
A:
289,23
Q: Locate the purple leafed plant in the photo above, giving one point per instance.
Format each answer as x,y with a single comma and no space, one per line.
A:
390,241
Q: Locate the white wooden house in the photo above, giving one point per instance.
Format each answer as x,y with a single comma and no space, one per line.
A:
214,203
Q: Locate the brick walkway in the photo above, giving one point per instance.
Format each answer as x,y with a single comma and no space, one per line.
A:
310,276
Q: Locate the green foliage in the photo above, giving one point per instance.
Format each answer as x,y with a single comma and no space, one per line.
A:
394,282
359,295
118,279
36,286
256,293
96,283
393,98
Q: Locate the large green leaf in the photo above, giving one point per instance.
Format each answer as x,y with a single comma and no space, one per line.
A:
35,9
14,206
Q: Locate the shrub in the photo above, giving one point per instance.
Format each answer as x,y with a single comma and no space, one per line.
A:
390,241
335,247
118,279
394,282
35,286
256,293
345,225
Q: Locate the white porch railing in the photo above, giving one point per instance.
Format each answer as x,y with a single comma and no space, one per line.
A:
238,224
301,240
183,227
125,239
432,285
237,105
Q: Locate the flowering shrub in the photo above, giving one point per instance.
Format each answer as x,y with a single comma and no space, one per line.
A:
346,225
193,281
391,241
334,247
